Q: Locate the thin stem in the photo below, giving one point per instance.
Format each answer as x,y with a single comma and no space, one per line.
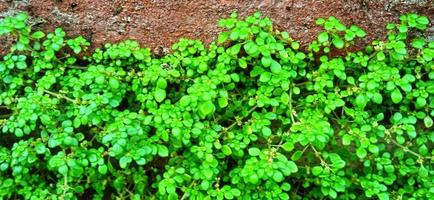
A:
65,182
304,149
290,106
248,112
323,162
60,96
76,67
65,185
372,55
302,83
279,145
185,193
5,116
406,149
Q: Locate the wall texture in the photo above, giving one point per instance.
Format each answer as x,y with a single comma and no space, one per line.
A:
159,23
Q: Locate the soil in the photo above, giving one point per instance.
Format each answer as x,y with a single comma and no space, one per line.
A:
160,23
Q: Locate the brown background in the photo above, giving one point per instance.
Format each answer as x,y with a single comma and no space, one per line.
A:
159,23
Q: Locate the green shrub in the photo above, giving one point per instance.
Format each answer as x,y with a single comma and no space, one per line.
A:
249,117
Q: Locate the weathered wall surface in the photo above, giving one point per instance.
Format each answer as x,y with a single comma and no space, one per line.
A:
160,23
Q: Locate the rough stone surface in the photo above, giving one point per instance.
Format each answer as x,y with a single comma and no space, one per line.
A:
160,23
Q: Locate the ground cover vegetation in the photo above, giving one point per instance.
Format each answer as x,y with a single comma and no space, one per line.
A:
251,116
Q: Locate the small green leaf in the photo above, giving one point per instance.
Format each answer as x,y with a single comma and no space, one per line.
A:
63,170
377,98
400,47
38,35
236,192
184,101
266,61
278,176
320,21
381,56
297,155
234,50
317,170
420,102
349,35
139,55
242,63
161,83
276,68
159,95
223,102
423,20
266,132
288,146
253,178
265,77
114,83
300,55
102,169
333,193
206,108
360,33
346,140
361,152
124,161
19,132
21,65
396,96
222,37
323,37
163,151
251,49
235,35
254,151
40,148
418,43
373,148
295,45
423,172
371,85
99,79
428,121
286,187
338,42
284,98
226,150
361,100
292,167
383,196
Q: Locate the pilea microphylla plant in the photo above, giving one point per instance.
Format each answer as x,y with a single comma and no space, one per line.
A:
249,117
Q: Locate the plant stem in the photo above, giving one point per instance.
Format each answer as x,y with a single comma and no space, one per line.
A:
248,112
406,149
5,116
323,162
65,185
60,96
191,185
76,67
290,106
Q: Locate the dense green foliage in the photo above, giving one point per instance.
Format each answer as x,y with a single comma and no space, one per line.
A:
249,117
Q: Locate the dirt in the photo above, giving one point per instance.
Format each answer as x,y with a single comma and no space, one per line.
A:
160,23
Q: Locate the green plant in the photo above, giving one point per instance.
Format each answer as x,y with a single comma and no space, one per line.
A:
249,117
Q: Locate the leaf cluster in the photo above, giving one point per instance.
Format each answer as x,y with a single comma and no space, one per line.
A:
251,116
